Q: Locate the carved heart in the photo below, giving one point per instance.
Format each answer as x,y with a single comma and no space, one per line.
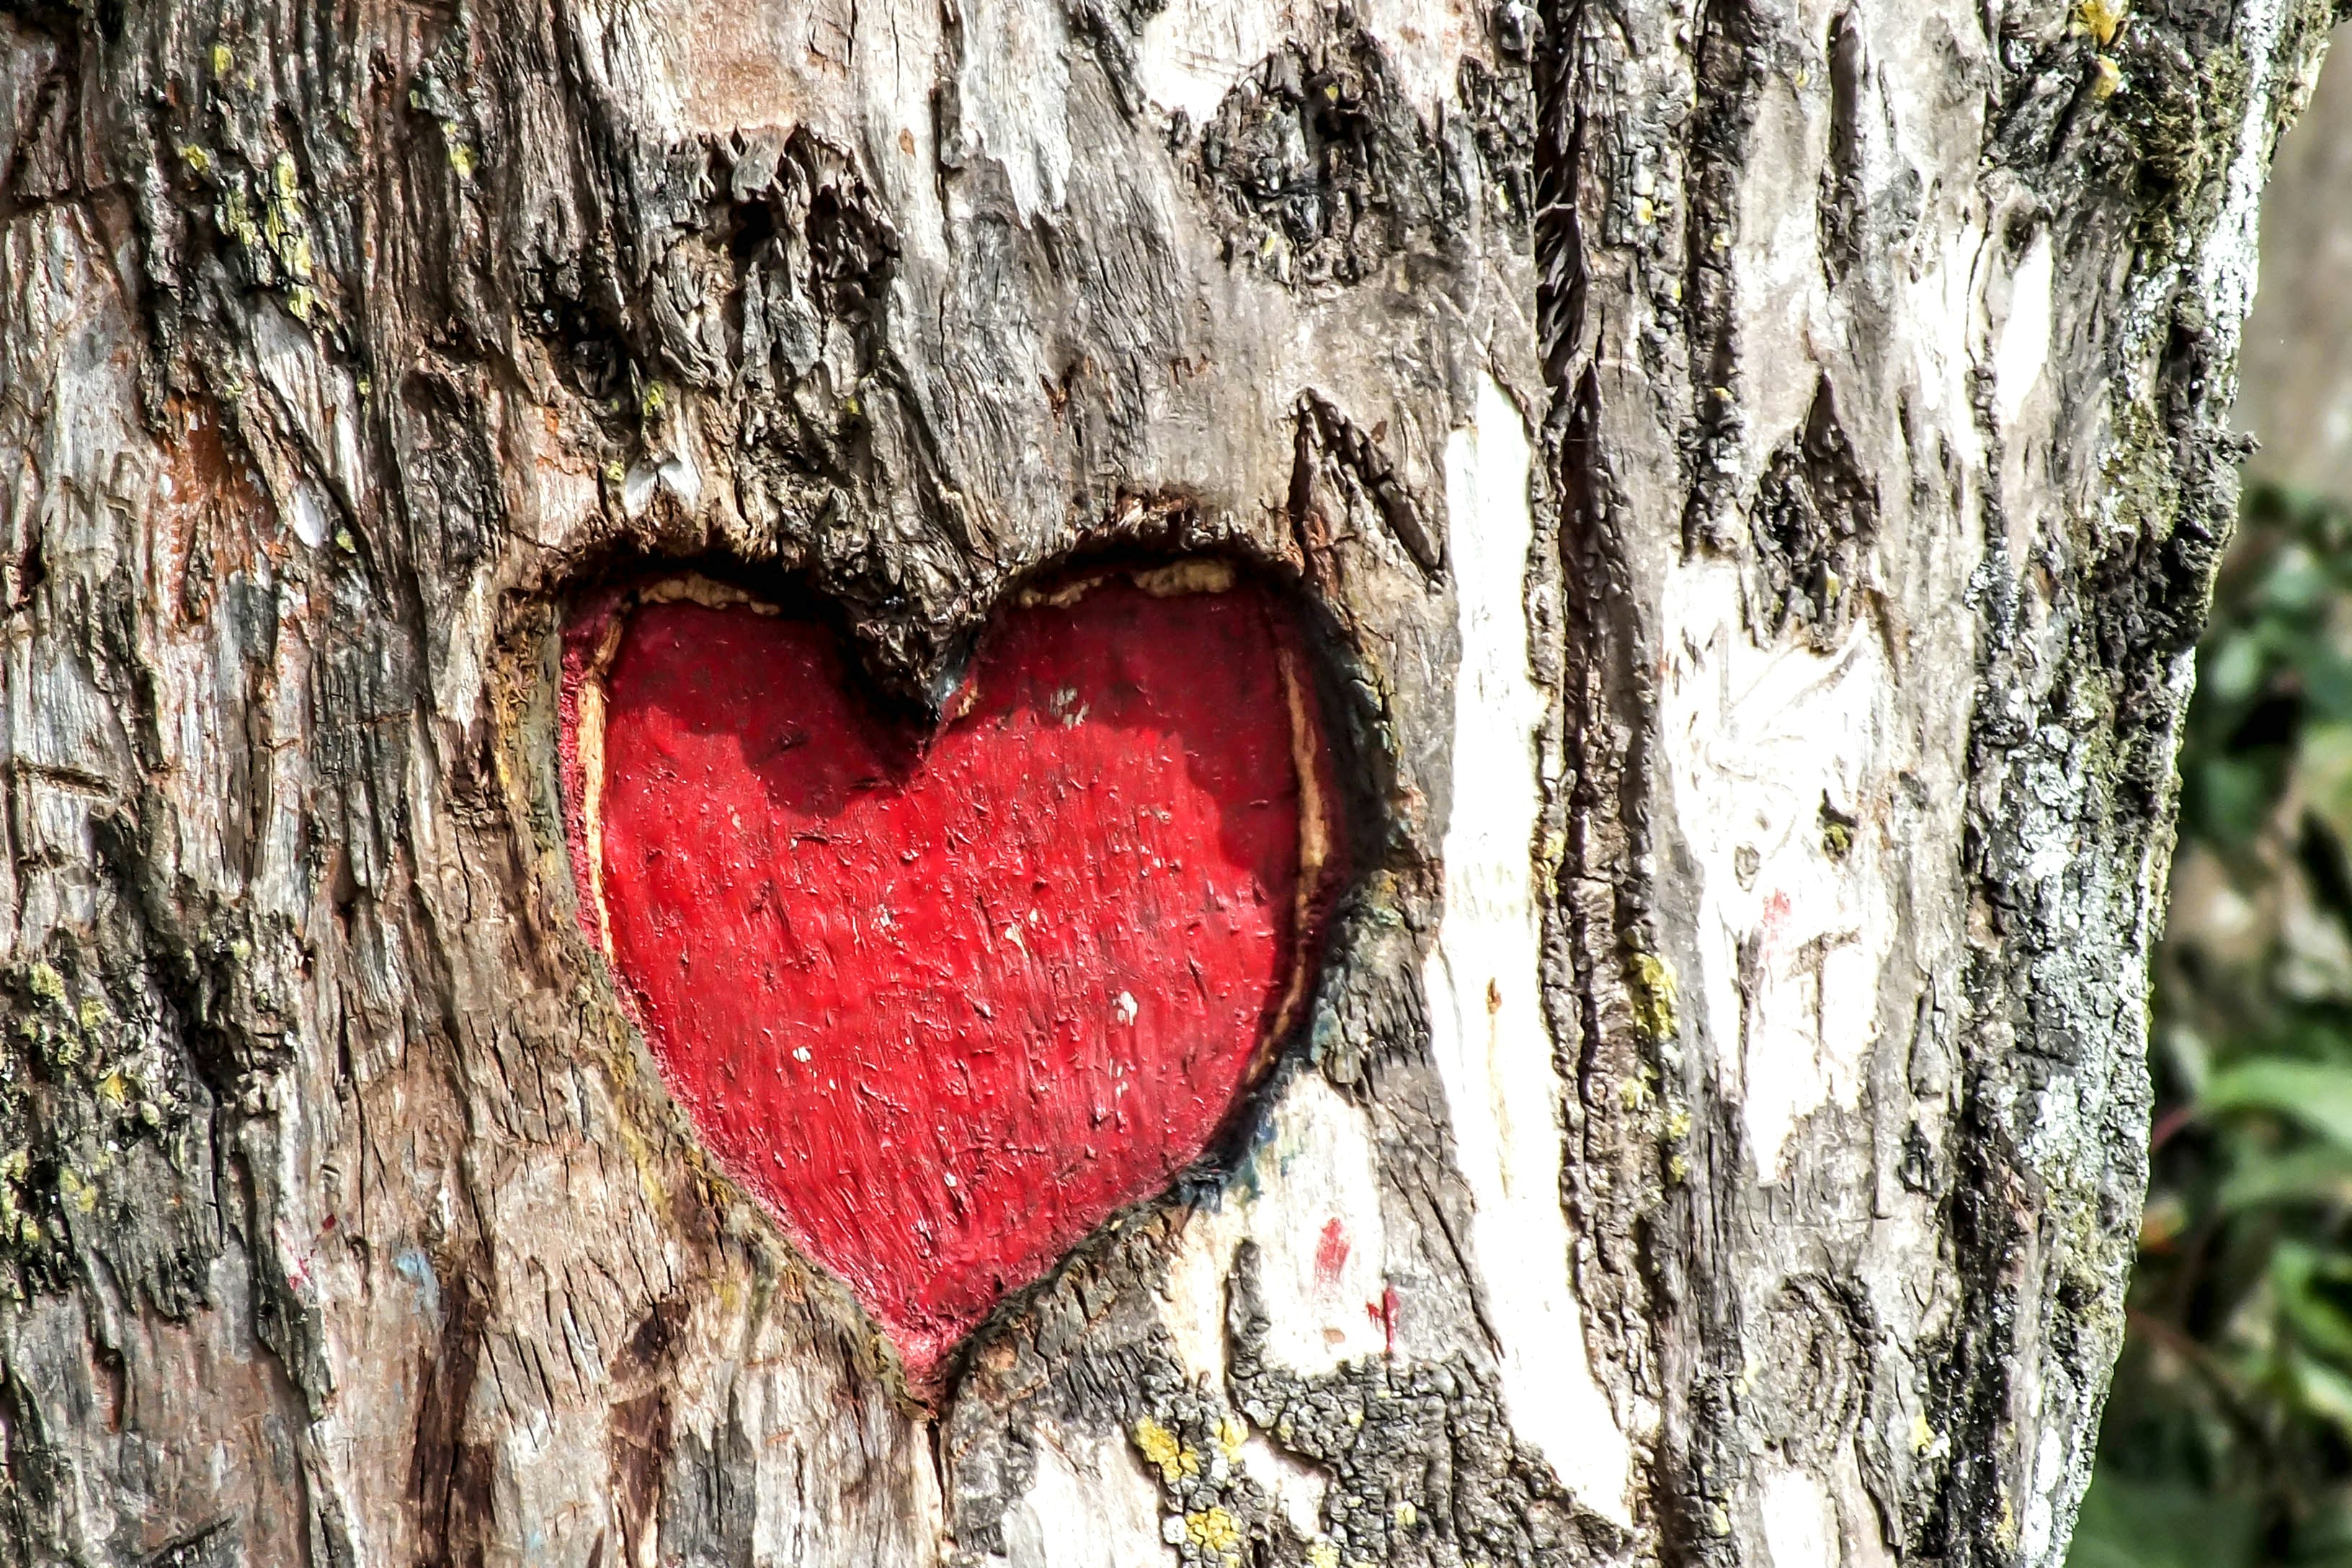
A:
946,1001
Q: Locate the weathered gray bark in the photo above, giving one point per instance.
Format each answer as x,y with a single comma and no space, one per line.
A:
1760,466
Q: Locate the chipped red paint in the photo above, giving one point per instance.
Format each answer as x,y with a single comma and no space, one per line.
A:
946,1001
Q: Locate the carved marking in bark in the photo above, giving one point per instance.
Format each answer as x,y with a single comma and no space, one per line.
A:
944,1002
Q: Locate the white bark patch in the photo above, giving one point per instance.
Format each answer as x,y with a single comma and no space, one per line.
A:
1015,88
1195,51
1945,303
1493,1049
2022,348
674,473
1089,1505
1799,1522
654,57
1770,751
1309,1198
1297,1488
2050,1461
2228,267
310,517
1781,296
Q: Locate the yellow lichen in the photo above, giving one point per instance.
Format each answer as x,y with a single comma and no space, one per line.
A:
1837,834
1166,1450
1159,1444
2100,18
1231,1434
2107,79
461,158
1213,1530
223,61
1654,1009
81,1195
47,984
235,222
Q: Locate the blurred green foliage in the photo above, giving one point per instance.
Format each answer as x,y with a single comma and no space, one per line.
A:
2229,1434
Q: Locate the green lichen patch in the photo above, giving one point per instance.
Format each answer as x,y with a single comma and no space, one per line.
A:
98,1131
2176,124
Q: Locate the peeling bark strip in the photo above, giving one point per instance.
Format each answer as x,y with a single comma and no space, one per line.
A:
945,1001
1748,475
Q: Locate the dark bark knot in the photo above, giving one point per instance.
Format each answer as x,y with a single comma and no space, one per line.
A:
1815,520
1321,169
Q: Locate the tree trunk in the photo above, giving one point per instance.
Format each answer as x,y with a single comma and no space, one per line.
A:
1744,480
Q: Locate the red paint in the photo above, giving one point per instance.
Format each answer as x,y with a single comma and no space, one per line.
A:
1330,1253
945,1001
1384,1312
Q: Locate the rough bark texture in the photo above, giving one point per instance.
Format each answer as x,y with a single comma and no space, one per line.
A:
1756,470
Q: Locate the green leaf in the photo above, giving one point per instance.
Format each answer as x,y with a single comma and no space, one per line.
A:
2324,1391
2296,581
2231,798
2303,1277
2233,672
2318,1174
2313,1095
2325,766
2138,1524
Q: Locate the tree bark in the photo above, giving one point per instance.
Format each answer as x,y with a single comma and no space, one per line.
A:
1755,471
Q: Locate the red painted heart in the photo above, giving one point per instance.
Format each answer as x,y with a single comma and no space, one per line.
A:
945,1002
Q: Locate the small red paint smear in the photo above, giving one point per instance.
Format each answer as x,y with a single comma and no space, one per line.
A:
1330,1253
944,1002
1383,1313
